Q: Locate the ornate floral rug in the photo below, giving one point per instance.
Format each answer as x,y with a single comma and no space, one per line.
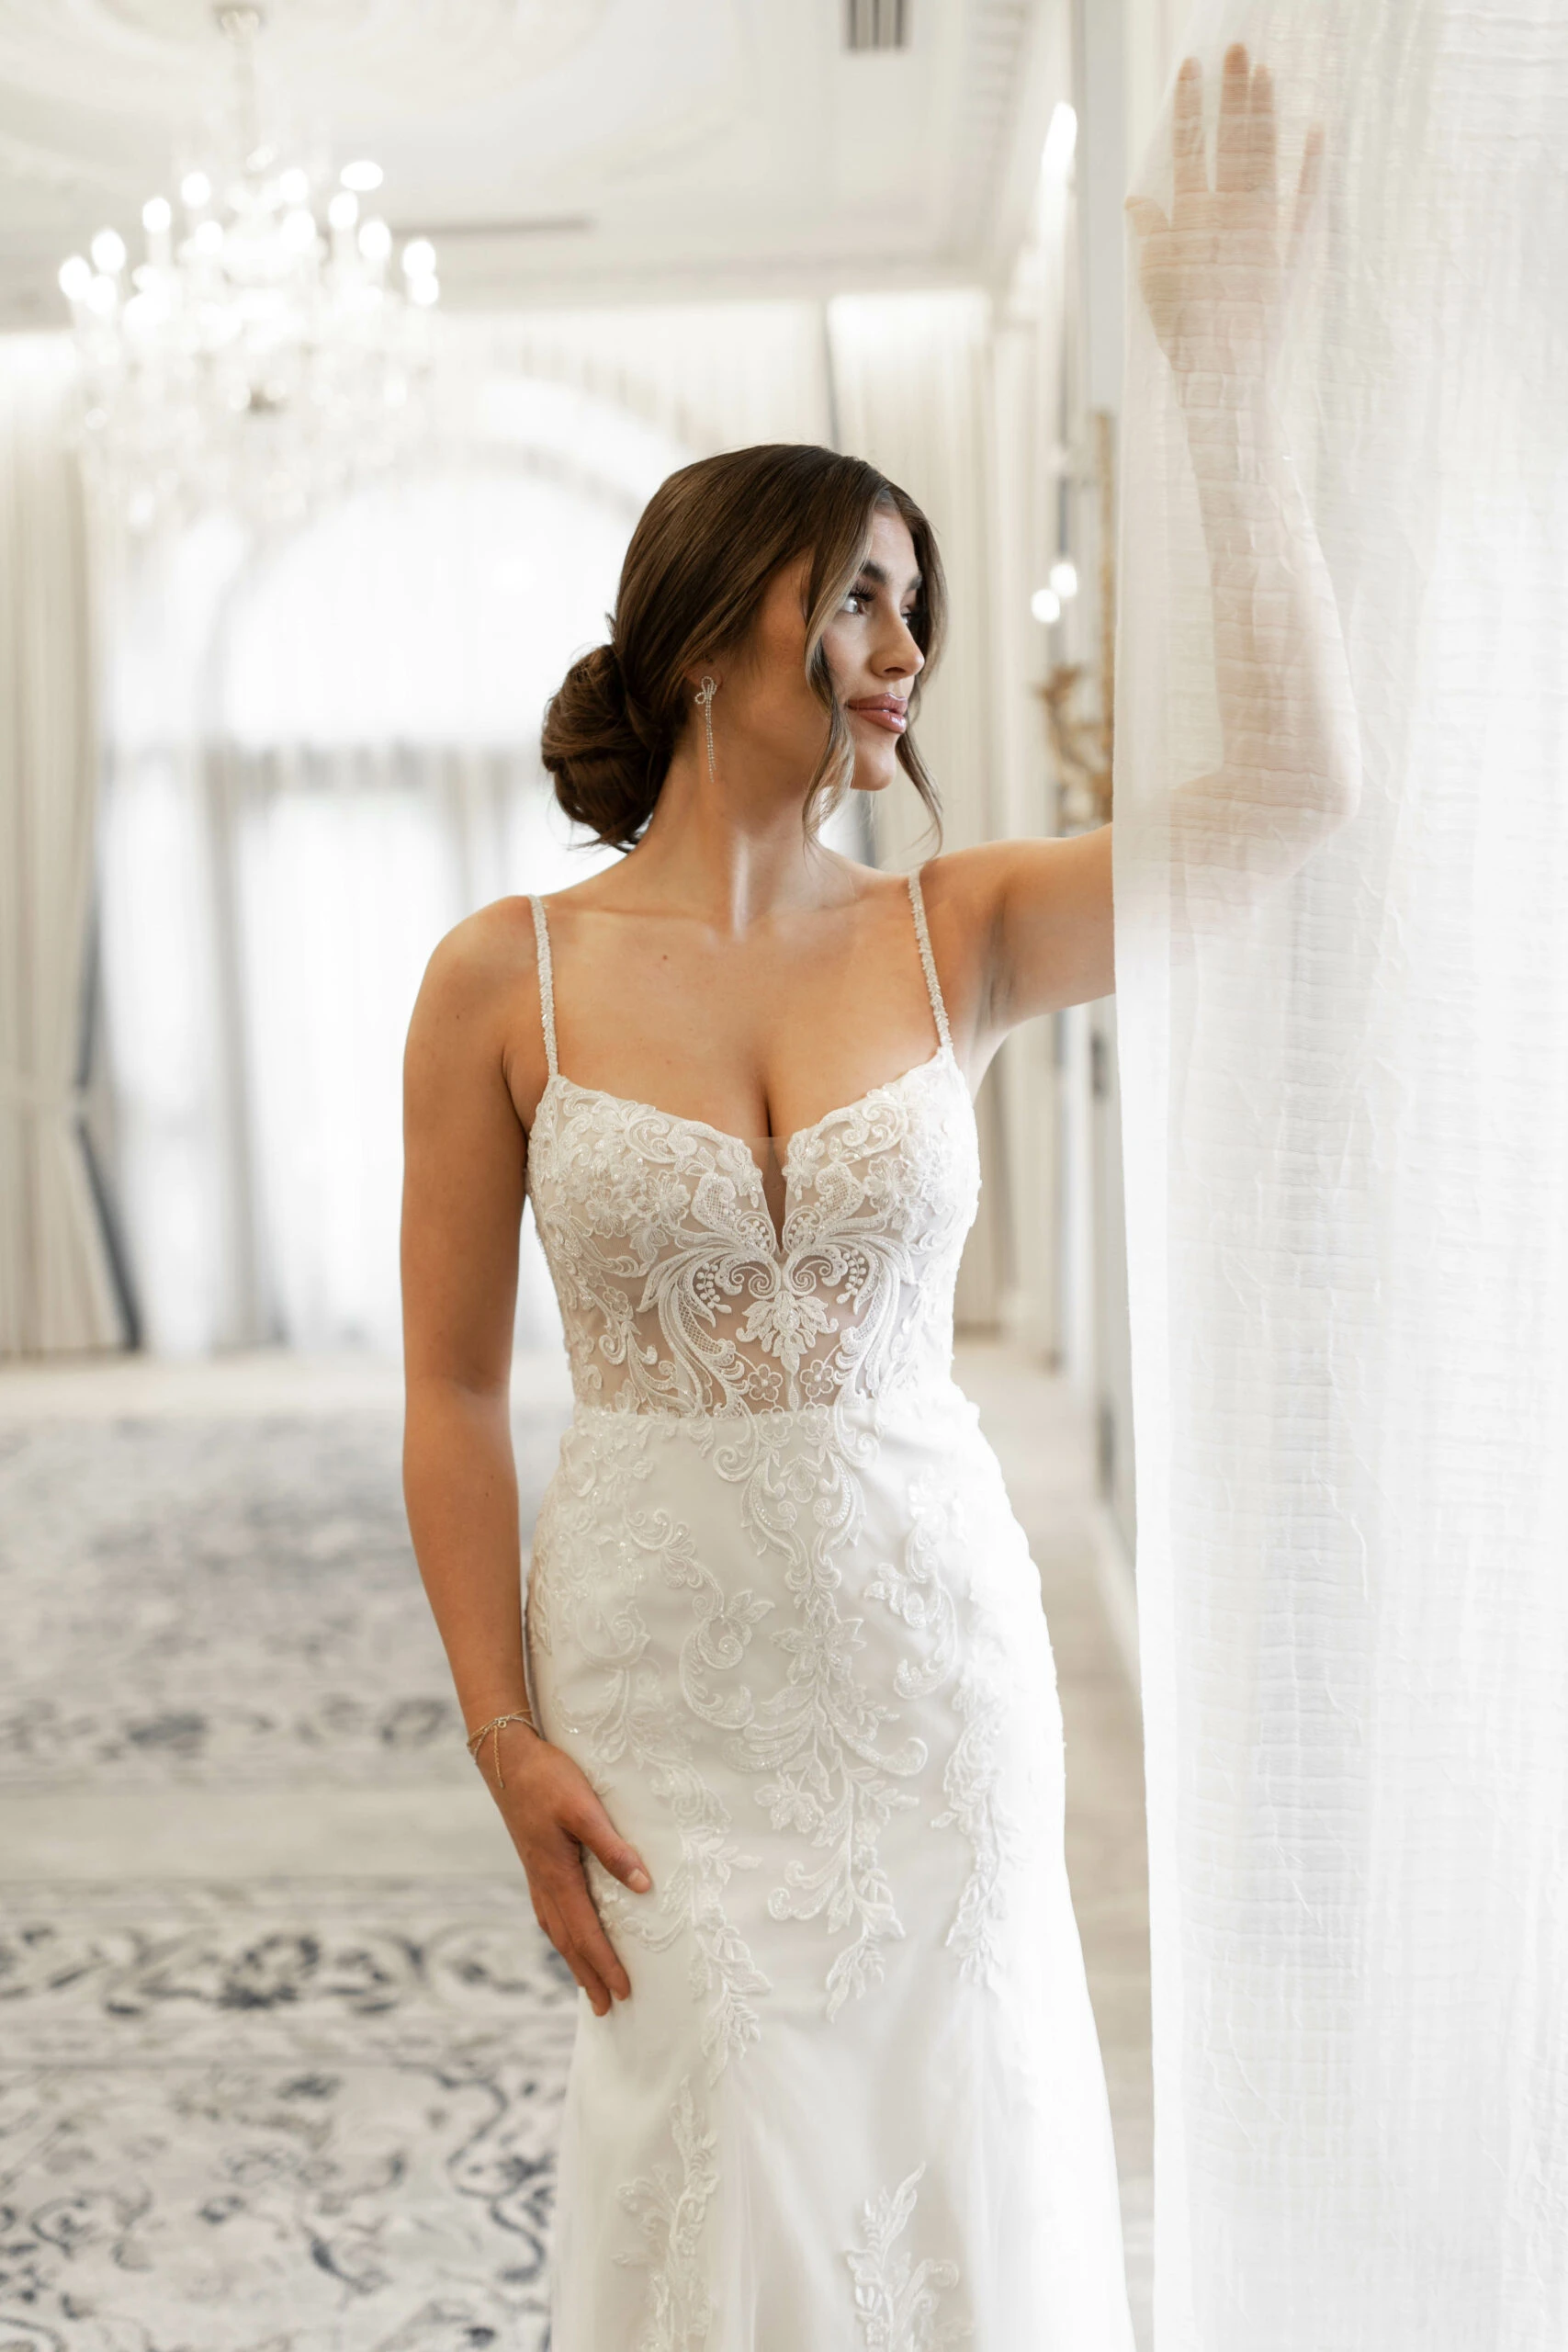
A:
271,2115
226,1600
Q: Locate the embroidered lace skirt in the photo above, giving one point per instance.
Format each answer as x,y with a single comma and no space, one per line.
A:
855,2102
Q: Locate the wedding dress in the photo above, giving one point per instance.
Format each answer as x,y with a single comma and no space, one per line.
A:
780,1611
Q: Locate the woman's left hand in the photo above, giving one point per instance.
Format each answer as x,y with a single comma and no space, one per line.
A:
1215,274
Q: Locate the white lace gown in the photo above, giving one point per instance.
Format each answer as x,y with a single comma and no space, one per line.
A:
780,1611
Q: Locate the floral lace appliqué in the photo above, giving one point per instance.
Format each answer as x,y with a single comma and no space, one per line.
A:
919,1589
670,2205
897,2301
600,1542
676,1292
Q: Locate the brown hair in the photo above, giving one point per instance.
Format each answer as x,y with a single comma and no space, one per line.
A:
704,550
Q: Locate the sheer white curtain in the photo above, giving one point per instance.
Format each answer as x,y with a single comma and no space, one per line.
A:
56,1291
1346,1105
361,770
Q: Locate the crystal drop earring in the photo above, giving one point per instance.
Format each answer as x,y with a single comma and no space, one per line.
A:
705,695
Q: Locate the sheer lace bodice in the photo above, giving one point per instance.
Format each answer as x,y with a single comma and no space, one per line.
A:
677,1292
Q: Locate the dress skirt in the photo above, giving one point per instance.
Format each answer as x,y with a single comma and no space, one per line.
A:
856,2101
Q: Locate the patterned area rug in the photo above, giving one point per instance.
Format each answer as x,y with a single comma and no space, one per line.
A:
222,1600
277,2115
284,2117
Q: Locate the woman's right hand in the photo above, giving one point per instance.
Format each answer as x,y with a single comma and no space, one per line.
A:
1215,275
551,1813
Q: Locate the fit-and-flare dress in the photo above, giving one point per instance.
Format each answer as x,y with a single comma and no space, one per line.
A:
780,1611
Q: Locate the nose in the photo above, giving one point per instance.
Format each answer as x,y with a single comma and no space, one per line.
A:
904,657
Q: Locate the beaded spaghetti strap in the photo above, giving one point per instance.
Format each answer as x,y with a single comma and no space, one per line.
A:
546,984
928,961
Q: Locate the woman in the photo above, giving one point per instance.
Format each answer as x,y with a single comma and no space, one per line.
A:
785,1769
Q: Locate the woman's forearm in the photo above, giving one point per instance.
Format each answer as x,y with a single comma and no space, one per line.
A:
1290,767
460,1486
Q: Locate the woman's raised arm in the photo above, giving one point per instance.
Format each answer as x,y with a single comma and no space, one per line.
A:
1214,278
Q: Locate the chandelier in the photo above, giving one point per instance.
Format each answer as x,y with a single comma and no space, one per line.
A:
266,354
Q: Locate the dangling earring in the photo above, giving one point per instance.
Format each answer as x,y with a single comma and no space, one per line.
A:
709,688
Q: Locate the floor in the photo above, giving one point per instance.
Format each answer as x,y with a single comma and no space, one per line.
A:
280,2048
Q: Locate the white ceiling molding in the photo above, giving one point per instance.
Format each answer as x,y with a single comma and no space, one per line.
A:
563,151
373,57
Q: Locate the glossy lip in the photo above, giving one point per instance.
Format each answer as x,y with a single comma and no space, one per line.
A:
888,710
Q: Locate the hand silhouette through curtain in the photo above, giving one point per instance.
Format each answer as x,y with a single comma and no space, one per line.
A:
1217,279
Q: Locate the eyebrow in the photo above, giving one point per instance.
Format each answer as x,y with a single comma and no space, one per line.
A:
878,572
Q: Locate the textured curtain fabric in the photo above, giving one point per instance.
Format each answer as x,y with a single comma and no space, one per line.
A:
1345,1070
270,915
346,865
56,1291
324,753
709,375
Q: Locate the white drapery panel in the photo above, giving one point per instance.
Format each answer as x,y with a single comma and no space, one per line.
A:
345,865
1346,1106
710,376
360,772
56,1293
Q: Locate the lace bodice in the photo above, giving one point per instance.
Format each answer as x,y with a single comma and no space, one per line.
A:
677,1292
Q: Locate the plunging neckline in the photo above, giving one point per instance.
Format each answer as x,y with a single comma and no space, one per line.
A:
744,1143
724,1137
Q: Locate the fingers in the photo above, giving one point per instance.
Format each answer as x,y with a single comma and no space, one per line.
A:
563,1903
1246,144
553,1823
1232,140
591,1826
1263,139
560,1930
587,1950
1191,163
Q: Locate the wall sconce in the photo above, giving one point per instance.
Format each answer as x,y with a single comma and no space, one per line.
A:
1081,745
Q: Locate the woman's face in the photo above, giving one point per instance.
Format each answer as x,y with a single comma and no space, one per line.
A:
872,659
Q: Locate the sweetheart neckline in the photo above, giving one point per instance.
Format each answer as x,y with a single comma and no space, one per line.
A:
723,1135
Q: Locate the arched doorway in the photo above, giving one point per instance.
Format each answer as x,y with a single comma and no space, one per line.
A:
361,770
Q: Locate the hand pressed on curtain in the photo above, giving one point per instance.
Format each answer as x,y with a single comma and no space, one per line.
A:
1215,275
1215,280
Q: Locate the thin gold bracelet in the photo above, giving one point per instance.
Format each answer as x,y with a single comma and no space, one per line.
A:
475,1739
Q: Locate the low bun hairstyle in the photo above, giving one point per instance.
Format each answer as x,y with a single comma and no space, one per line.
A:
705,549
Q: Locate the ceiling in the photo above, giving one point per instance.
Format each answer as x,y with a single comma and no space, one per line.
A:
556,149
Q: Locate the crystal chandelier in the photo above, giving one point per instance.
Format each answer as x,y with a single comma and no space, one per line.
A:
266,355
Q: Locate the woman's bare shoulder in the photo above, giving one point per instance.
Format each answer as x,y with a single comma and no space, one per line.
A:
493,946
477,1015
482,976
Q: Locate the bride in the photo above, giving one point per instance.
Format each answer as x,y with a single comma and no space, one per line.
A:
778,1743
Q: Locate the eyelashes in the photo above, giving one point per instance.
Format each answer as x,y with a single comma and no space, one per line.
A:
868,596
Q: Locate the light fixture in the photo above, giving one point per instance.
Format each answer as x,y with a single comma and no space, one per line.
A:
262,356
1064,578
1046,605
1061,137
